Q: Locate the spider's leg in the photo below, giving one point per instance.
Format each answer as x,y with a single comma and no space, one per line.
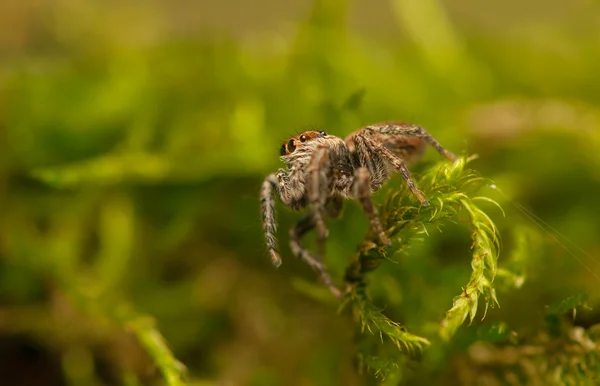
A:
269,221
408,130
434,143
361,189
319,175
371,147
306,223
422,133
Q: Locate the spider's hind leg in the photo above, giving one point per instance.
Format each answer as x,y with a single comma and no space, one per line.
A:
422,133
361,189
305,224
397,135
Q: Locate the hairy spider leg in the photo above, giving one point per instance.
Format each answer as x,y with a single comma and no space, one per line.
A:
320,173
269,221
305,224
361,189
366,145
404,130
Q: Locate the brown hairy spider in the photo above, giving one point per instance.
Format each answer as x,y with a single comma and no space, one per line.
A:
324,169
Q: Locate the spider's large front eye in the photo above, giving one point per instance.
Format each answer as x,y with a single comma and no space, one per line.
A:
291,145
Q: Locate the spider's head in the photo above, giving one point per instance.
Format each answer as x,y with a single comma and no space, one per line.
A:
297,151
302,143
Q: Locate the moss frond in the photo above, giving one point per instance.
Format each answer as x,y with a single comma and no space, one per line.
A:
451,189
453,192
385,345
372,320
484,265
388,370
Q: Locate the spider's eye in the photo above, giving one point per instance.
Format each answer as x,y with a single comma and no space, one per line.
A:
282,150
291,145
303,138
324,134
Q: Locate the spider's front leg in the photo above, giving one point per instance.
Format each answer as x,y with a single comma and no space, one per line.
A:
320,174
361,189
368,146
269,221
305,224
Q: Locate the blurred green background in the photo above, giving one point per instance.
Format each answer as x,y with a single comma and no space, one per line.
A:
134,136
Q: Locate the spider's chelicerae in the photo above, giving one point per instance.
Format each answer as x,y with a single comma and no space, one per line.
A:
323,169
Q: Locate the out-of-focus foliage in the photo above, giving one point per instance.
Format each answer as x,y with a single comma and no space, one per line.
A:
134,137
562,354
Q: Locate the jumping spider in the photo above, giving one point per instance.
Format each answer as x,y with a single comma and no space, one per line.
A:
324,169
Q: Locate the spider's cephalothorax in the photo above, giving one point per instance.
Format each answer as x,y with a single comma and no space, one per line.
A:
323,169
